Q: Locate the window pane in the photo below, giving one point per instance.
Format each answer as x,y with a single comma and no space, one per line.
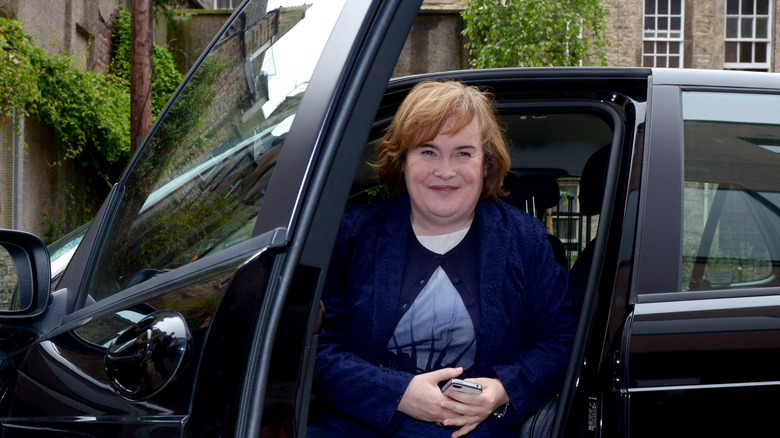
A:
747,7
762,28
732,25
731,52
732,191
647,61
745,52
676,23
648,47
663,23
674,61
650,7
200,182
674,47
650,23
663,7
761,52
746,30
660,61
732,7
762,7
676,7
661,47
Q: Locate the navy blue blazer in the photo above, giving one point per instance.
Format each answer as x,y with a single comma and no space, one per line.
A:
527,325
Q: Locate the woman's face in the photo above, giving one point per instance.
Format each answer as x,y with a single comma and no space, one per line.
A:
444,179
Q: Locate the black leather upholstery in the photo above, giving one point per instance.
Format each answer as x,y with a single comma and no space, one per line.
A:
536,192
594,179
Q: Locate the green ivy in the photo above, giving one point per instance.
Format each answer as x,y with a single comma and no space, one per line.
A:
89,113
534,33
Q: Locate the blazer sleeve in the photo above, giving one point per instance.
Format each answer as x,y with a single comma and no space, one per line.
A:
348,382
547,326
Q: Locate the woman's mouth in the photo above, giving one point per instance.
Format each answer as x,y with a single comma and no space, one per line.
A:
444,189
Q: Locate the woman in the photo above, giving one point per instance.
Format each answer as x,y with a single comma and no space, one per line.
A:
441,281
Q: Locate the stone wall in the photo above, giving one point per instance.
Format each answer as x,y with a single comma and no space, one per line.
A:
704,40
434,44
77,27
188,40
624,32
81,28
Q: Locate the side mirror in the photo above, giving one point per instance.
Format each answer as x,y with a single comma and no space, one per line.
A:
25,275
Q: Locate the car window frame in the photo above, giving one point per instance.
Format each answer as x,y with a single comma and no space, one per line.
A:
659,252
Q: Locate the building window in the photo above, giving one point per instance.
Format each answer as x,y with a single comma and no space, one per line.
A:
662,39
225,4
747,34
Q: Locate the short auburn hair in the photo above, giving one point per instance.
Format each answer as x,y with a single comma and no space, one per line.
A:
420,118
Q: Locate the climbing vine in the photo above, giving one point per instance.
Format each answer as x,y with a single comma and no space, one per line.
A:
89,113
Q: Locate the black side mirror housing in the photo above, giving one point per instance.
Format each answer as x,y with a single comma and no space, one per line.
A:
25,275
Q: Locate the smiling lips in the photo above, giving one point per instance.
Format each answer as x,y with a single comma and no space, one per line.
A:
444,189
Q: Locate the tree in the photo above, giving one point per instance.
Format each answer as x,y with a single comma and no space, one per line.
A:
140,71
534,33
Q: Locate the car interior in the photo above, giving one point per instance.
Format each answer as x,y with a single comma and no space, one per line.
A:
560,153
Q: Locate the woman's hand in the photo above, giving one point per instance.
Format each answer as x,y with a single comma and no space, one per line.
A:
473,409
423,398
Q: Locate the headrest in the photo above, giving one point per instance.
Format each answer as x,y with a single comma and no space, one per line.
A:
594,179
543,188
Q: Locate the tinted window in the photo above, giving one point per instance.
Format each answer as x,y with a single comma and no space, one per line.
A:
731,220
201,179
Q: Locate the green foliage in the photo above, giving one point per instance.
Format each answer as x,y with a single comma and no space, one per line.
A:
87,112
534,33
165,77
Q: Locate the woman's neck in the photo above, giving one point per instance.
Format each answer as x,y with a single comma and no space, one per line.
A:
433,229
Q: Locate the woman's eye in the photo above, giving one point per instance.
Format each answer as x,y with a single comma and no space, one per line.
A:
427,153
463,155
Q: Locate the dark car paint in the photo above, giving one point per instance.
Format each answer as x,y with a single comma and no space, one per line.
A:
647,362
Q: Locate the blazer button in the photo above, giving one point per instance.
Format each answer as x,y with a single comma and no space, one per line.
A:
455,280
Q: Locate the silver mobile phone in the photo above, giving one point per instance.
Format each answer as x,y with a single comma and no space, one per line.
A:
462,386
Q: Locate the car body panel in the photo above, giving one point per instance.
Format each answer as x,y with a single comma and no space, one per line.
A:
649,358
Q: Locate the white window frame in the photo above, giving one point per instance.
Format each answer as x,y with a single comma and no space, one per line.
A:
234,4
666,35
752,41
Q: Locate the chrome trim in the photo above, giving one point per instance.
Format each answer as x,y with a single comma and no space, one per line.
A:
706,305
709,386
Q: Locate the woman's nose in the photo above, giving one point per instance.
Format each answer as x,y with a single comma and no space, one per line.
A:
445,170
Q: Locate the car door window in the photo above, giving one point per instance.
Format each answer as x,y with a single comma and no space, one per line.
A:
200,181
731,219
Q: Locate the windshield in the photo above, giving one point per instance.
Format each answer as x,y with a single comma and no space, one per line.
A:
201,178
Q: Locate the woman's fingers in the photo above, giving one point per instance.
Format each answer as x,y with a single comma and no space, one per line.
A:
422,399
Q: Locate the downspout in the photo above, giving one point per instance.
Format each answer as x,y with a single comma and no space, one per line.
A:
17,221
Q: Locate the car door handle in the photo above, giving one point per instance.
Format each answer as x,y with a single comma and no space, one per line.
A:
148,355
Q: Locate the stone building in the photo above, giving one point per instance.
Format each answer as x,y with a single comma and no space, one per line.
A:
33,192
707,34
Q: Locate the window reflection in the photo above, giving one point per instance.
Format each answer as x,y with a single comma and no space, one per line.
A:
201,179
9,281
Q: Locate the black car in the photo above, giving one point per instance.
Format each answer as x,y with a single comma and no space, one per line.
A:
191,306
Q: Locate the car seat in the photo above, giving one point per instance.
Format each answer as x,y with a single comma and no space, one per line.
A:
534,194
594,179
